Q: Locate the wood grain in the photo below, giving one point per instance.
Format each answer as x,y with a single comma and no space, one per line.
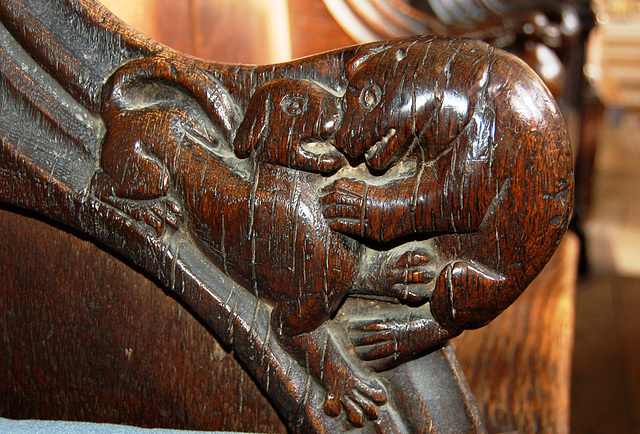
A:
313,29
519,366
235,31
430,174
86,337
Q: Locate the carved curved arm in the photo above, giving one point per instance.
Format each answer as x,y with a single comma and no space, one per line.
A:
211,178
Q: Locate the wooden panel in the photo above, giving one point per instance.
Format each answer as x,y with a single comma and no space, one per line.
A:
606,391
85,337
598,374
235,31
313,29
626,300
519,366
240,31
164,20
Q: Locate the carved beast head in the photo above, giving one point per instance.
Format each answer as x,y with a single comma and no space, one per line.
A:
422,90
283,114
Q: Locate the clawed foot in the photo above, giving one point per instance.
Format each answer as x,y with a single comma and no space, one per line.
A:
380,342
155,212
344,204
380,213
385,343
411,276
360,399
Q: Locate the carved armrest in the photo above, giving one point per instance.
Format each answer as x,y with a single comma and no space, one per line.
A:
334,220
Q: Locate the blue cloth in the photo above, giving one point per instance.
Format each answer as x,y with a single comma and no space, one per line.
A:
9,426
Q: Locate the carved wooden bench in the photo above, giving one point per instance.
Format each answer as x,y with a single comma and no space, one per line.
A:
424,180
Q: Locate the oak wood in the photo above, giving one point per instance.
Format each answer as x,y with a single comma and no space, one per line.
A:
313,29
235,31
244,191
85,337
606,392
130,369
519,366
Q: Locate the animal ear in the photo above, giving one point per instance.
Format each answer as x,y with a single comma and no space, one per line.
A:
366,52
254,126
354,63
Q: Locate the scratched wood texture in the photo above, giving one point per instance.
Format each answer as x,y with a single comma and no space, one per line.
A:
519,366
83,336
84,361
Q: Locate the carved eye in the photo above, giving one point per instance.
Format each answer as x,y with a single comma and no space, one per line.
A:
294,105
370,96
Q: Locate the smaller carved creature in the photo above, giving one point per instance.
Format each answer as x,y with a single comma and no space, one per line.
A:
164,159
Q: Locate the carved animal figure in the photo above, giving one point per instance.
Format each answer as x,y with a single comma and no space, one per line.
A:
162,127
491,191
291,123
444,133
164,159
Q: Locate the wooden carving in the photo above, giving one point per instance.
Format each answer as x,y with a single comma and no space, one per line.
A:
329,217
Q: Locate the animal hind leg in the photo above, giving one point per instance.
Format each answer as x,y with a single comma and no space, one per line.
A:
323,355
133,179
154,211
464,297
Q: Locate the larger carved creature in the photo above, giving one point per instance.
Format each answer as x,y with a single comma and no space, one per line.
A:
482,194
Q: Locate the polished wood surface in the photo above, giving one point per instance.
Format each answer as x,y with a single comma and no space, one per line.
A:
86,337
313,29
234,31
519,366
480,263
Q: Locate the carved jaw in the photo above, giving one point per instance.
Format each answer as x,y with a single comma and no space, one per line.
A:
384,152
381,155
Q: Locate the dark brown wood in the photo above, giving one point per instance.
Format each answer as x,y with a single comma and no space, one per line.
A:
69,274
100,342
519,366
548,36
430,174
326,35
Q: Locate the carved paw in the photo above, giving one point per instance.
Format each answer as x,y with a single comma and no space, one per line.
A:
380,342
344,204
378,212
409,278
386,342
156,212
359,398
